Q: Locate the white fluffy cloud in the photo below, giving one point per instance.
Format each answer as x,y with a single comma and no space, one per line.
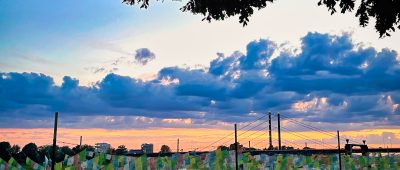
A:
331,80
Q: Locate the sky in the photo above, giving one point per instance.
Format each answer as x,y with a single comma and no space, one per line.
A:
117,71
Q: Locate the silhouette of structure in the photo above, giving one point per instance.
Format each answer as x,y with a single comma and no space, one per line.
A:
349,148
385,12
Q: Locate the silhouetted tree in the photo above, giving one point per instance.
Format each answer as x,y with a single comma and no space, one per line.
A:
31,151
111,150
88,147
386,12
20,157
284,147
15,149
249,149
222,147
59,154
79,148
76,149
165,149
46,150
121,150
66,150
5,151
288,148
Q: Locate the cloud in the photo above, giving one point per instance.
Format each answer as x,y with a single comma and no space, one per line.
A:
144,56
329,80
109,66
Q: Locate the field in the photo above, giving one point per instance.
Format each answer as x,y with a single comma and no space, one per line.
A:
213,160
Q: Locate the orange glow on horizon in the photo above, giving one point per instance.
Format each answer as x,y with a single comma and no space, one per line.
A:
190,138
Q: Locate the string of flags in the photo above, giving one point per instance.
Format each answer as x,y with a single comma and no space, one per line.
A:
219,159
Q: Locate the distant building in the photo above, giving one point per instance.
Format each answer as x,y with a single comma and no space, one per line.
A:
135,152
102,147
147,148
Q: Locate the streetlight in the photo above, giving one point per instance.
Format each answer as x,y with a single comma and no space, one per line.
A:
390,141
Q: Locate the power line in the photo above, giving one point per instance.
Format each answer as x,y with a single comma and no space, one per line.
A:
292,143
226,141
255,133
260,136
307,138
308,126
233,132
217,141
314,128
275,140
253,122
67,143
254,146
262,123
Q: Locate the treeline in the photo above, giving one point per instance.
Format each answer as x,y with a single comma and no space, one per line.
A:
41,153
38,154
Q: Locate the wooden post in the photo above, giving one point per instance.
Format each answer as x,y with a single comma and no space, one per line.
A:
53,155
340,157
236,148
279,132
177,146
80,142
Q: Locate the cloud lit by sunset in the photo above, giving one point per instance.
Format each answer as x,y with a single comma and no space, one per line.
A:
126,76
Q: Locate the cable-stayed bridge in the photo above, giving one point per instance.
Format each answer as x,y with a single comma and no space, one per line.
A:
258,134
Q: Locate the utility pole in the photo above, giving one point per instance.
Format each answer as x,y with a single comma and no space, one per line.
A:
236,148
279,131
177,146
249,144
80,142
390,142
53,155
270,132
340,157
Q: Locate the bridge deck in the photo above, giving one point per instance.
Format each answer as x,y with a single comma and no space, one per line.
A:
325,151
304,152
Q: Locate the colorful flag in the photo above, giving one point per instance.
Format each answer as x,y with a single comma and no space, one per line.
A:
141,163
77,164
102,159
12,162
58,166
82,155
109,167
69,168
70,161
32,164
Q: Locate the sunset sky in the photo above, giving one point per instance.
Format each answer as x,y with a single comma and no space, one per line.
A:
124,75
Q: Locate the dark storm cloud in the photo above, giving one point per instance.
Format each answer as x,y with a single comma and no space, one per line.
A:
329,80
144,55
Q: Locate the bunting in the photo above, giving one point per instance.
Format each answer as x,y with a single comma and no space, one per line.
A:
219,159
